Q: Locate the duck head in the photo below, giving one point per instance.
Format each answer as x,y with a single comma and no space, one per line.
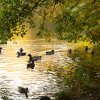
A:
52,50
29,55
18,54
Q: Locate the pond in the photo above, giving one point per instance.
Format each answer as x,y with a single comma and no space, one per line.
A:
13,71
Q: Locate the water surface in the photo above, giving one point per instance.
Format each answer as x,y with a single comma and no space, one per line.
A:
13,71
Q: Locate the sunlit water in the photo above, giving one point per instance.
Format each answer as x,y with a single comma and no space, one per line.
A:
13,71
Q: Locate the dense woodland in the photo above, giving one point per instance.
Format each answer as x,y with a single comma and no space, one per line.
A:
74,21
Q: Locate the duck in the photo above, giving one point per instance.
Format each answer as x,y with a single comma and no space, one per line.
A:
31,65
21,54
70,51
50,52
86,48
45,98
92,52
35,58
24,91
0,49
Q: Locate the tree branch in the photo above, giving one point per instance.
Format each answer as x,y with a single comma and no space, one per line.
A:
74,5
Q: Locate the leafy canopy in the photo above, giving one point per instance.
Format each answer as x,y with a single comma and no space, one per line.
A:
73,19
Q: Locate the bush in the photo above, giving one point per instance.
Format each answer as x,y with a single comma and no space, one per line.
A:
82,76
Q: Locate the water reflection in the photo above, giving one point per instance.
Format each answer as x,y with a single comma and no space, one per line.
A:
13,71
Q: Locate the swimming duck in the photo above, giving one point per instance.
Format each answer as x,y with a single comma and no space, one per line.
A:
92,52
35,58
50,52
45,98
24,91
70,51
21,54
86,48
31,65
0,49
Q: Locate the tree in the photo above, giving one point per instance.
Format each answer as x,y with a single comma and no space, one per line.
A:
74,19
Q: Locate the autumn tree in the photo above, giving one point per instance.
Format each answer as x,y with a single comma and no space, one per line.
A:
73,19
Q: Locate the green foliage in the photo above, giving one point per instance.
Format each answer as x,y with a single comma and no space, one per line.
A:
81,76
13,14
86,69
43,32
79,19
63,95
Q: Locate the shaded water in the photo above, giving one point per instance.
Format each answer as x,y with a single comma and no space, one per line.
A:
13,71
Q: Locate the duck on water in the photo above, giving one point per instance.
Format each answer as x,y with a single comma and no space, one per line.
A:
23,91
45,98
26,90
31,65
35,58
21,53
50,52
0,50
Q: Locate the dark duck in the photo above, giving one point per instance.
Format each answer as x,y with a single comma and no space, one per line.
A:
0,50
31,65
50,52
21,53
45,98
86,48
35,58
70,51
23,91
92,52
